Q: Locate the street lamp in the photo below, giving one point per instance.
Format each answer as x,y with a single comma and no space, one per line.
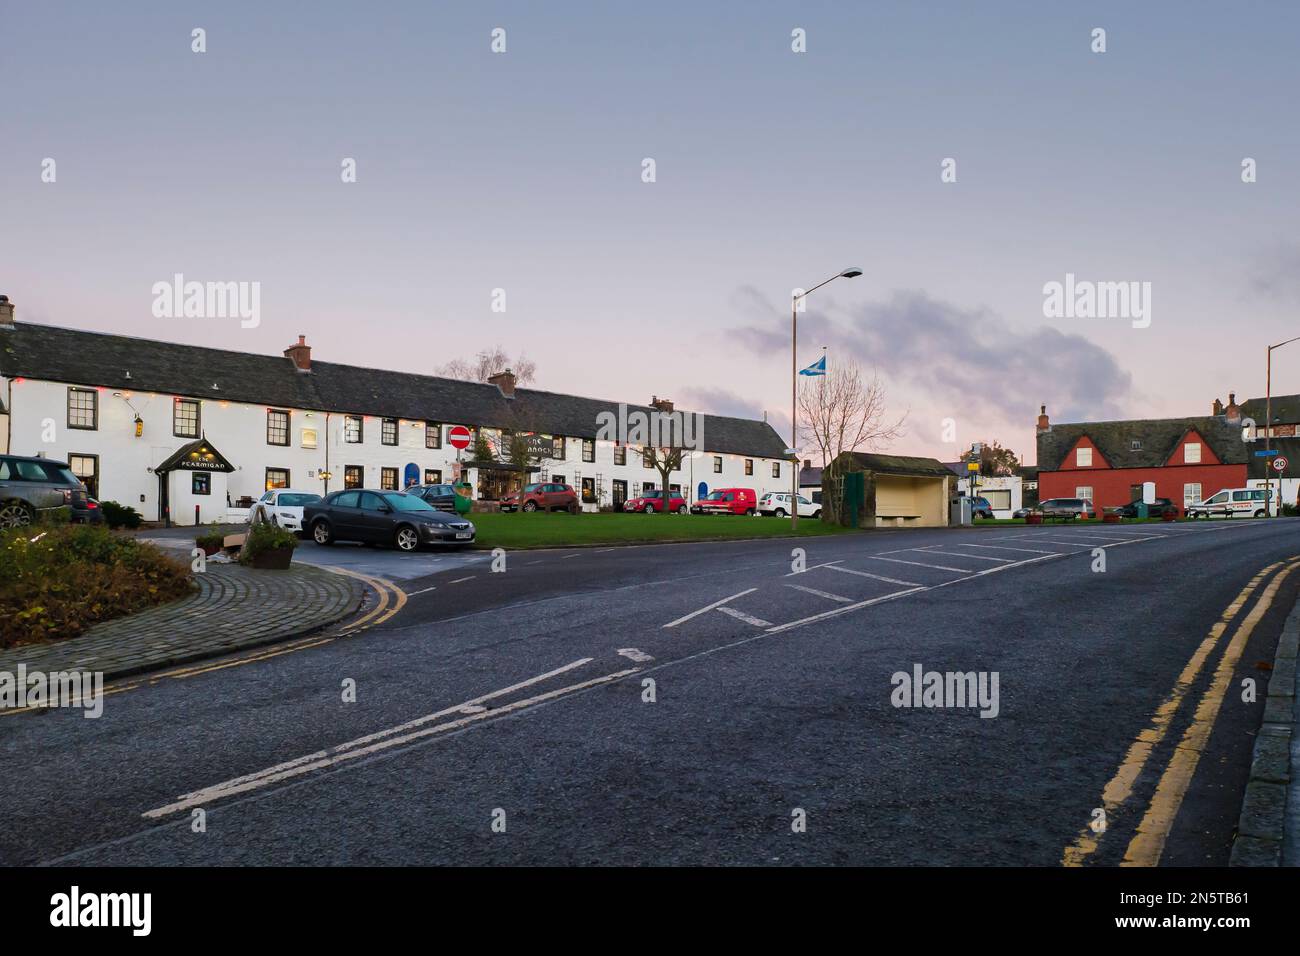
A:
851,273
1268,427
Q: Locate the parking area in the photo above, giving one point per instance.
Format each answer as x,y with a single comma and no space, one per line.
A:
835,587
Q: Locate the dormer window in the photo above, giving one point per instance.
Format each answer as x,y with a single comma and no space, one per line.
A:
1192,453
1083,458
1136,444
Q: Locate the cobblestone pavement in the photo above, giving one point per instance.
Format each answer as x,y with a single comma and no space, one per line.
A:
234,608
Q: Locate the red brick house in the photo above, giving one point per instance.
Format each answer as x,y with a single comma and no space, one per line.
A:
1107,462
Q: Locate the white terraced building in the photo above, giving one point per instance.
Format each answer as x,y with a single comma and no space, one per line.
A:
182,432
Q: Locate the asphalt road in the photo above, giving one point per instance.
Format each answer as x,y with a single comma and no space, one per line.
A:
521,699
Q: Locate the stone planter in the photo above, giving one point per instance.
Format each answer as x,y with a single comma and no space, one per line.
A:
1169,516
1032,518
277,559
1110,518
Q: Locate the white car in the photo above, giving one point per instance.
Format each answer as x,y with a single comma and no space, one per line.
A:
1250,502
778,504
283,507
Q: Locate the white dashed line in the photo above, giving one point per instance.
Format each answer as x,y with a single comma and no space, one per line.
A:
874,577
919,564
958,554
1003,547
825,594
747,618
632,654
458,580
709,607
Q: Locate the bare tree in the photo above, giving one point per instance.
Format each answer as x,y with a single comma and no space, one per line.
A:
839,412
518,444
665,460
489,362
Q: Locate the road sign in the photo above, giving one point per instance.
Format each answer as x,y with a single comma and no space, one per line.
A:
458,436
1266,453
1279,463
972,466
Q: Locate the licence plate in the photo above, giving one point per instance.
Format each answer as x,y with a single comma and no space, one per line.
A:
464,534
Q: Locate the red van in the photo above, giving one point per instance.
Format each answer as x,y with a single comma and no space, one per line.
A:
728,501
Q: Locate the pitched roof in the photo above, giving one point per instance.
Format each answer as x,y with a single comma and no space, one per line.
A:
95,358
1286,409
897,464
1158,437
810,477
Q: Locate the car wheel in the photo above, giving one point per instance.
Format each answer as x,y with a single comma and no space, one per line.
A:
1259,513
817,514
321,533
750,513
16,514
406,538
779,513
649,509
530,505
682,510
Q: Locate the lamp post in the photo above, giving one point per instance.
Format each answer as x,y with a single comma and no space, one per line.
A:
794,389
1268,426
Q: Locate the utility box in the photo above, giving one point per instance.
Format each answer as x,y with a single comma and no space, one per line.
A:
960,514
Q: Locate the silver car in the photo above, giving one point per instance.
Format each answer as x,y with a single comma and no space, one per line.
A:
30,487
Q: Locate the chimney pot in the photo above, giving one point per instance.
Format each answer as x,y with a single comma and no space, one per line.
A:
505,383
300,354
662,404
1043,423
6,313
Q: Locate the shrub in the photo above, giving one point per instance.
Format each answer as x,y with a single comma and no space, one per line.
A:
265,537
211,540
120,516
55,583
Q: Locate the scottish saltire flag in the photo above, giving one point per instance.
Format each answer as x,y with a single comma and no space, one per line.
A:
816,368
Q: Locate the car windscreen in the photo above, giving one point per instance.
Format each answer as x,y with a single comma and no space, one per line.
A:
297,501
400,502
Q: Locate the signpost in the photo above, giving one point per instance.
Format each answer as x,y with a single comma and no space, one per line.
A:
458,437
1279,463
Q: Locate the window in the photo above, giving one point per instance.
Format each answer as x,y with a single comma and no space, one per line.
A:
1136,444
776,469
588,449
1192,453
309,438
388,479
620,454
86,468
561,452
432,435
388,431
347,499
1191,493
353,429
717,464
354,476
588,490
83,408
277,478
432,476
749,466
647,486
1083,457
201,483
185,418
647,461
277,426
1084,492
559,480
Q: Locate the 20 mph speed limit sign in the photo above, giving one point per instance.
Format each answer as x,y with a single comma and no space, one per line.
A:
1279,463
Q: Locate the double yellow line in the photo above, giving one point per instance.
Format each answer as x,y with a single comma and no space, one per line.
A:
1148,843
391,600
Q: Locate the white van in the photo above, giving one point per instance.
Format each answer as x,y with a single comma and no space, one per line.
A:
1252,502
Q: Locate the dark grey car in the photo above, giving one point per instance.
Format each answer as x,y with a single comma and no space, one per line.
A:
30,487
383,517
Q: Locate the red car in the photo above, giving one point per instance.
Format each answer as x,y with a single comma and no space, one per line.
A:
652,501
543,497
728,501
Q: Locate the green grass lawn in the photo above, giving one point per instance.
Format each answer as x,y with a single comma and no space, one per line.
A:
560,530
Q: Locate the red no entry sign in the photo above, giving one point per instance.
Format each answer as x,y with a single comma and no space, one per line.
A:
458,436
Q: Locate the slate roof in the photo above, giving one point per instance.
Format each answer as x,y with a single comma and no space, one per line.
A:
95,358
1159,437
810,477
898,464
1286,409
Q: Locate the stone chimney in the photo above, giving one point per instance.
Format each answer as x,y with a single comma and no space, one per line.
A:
6,313
1043,424
662,404
1231,412
300,354
1217,408
505,383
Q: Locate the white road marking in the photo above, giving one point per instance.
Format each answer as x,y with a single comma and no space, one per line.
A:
632,654
958,554
708,607
567,556
299,767
457,709
874,577
411,594
815,567
1003,547
458,580
825,594
603,550
1086,544
747,618
919,564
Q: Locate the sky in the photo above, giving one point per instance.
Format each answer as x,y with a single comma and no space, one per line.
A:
523,171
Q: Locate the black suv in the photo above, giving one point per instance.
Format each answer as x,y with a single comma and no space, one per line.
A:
32,486
1157,509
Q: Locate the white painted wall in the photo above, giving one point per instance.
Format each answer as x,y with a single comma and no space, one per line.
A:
238,431
1011,483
